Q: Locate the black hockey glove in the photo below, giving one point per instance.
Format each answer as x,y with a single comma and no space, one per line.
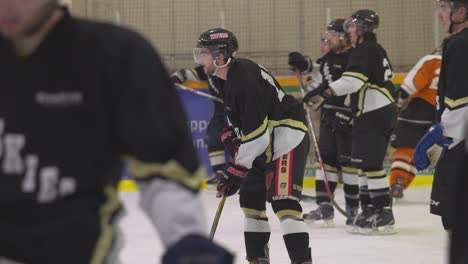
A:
298,61
343,121
231,178
230,141
195,249
316,97
178,77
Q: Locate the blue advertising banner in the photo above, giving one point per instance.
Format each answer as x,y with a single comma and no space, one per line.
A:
199,111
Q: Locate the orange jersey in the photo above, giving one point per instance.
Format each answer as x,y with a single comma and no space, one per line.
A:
423,79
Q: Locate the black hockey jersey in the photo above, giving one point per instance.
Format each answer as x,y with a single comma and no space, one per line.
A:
89,95
452,101
271,123
332,66
368,77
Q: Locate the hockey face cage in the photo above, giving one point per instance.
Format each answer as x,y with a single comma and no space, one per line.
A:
451,6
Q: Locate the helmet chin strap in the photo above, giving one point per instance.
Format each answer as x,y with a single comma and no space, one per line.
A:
47,12
217,67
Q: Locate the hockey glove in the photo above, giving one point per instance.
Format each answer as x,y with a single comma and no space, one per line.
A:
342,121
230,140
195,249
316,98
231,178
178,77
298,61
433,136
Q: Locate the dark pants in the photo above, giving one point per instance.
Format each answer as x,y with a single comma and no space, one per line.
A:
371,134
459,217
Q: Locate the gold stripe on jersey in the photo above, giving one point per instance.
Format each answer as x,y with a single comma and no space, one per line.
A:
384,91
357,75
294,124
362,94
455,103
257,132
107,210
171,170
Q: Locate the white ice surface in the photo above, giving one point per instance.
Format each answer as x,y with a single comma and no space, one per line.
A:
420,238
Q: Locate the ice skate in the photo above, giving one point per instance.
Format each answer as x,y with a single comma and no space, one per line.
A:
324,212
380,223
352,213
396,190
360,220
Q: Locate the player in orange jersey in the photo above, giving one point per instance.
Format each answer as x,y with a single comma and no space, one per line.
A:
419,90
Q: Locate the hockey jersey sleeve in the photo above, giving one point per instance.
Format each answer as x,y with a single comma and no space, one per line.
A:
357,72
154,137
423,75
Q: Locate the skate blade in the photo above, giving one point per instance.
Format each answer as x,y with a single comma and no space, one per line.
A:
352,229
328,223
378,231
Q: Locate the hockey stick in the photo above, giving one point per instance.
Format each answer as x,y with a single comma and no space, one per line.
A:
209,96
217,217
317,150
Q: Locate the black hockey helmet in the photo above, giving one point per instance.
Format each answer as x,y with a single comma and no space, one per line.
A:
336,25
366,20
219,41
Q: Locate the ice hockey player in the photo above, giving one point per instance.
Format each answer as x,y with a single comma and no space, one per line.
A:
418,92
368,79
273,150
77,96
335,131
452,113
217,122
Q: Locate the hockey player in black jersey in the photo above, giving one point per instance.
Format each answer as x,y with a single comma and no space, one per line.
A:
367,79
217,122
448,197
335,131
270,160
77,97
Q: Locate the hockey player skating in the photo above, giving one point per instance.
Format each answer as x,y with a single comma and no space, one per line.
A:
335,131
452,115
77,96
418,91
270,160
217,122
367,79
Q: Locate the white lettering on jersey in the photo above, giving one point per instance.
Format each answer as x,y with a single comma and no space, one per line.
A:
435,81
388,75
326,73
67,98
49,183
271,80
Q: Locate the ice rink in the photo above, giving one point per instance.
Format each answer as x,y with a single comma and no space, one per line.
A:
420,238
